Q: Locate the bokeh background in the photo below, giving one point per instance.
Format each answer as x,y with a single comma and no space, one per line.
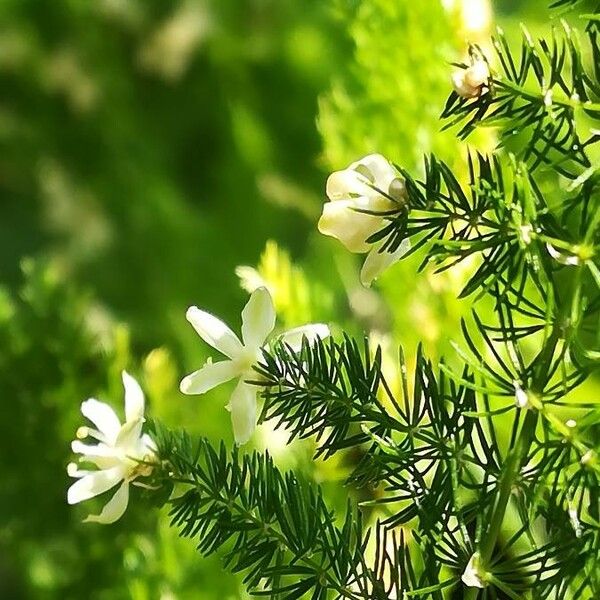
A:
156,154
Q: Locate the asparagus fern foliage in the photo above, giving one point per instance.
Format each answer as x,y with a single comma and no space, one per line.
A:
455,509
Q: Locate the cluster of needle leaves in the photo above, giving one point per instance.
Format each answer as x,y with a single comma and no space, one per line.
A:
275,528
544,99
457,507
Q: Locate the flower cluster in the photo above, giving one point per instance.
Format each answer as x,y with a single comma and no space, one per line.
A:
123,453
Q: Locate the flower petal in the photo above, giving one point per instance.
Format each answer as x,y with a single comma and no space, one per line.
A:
101,455
340,220
463,89
74,471
113,510
377,262
101,449
209,376
341,185
381,171
148,445
94,484
214,332
243,411
478,74
134,398
129,437
258,318
293,337
103,417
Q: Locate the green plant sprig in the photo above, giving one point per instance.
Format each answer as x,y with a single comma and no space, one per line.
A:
490,515
538,100
274,527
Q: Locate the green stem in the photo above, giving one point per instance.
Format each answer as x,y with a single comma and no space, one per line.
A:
514,460
506,482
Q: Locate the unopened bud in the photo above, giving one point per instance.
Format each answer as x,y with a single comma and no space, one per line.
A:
472,81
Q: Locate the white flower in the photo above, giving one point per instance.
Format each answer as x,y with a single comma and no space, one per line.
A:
472,81
472,576
117,454
370,184
258,321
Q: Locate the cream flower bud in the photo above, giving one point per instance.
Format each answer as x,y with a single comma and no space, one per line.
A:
359,198
472,81
343,220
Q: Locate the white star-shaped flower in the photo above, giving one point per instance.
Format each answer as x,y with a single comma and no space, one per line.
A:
117,454
370,184
258,321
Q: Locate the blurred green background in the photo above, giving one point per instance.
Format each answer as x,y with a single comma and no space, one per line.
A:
148,152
